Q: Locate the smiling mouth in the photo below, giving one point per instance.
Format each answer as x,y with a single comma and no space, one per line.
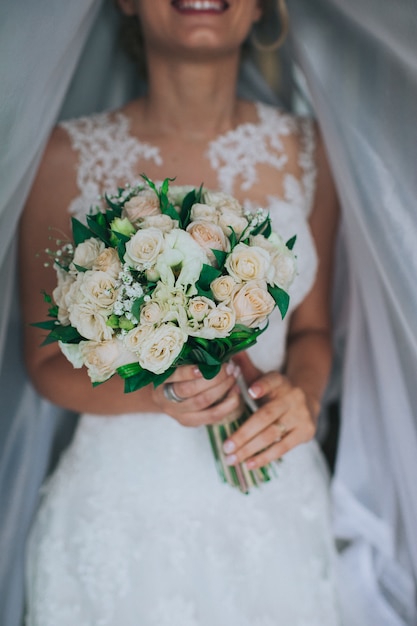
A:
200,6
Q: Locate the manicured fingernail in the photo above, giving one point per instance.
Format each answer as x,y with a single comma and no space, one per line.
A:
236,370
230,368
197,372
254,391
250,464
229,446
231,459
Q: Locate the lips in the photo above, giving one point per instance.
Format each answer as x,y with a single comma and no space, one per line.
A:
200,6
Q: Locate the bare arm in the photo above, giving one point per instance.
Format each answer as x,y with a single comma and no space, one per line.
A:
290,402
44,219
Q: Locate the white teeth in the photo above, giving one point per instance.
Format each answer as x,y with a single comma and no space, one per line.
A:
201,5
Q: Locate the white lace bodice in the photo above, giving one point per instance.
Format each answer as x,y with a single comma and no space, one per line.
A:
110,156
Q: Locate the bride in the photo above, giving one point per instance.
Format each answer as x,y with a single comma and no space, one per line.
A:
134,525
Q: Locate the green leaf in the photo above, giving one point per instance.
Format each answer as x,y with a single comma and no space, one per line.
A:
290,243
46,325
80,268
46,297
233,239
98,229
187,204
80,232
209,371
281,297
207,275
220,257
136,307
67,334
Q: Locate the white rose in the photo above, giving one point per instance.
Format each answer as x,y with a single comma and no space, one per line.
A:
99,288
220,321
90,321
86,253
108,261
103,358
223,288
229,220
204,212
248,263
163,222
144,204
223,201
152,313
161,347
252,303
134,338
283,267
199,307
209,236
61,295
143,249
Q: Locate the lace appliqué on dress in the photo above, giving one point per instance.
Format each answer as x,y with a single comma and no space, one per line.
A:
238,153
107,157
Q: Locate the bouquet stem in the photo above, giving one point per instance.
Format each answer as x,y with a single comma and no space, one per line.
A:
239,475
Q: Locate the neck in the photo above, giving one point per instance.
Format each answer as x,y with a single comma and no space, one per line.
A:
192,99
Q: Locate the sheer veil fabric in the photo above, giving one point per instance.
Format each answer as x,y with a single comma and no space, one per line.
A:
360,62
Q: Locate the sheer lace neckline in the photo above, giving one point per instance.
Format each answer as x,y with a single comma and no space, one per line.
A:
110,155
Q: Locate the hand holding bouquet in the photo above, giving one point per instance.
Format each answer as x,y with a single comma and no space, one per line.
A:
166,277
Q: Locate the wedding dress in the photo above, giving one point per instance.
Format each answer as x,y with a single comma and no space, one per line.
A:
135,527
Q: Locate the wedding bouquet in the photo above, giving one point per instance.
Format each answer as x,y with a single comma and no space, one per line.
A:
169,276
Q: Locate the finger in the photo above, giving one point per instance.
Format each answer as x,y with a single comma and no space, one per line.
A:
267,438
276,451
272,381
212,414
212,389
254,425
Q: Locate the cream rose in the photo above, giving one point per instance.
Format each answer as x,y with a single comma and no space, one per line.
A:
163,222
108,261
103,358
152,313
86,253
144,204
223,288
220,322
199,307
98,288
90,321
61,295
135,337
248,263
222,201
204,212
161,347
228,221
209,236
252,303
144,248
283,267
